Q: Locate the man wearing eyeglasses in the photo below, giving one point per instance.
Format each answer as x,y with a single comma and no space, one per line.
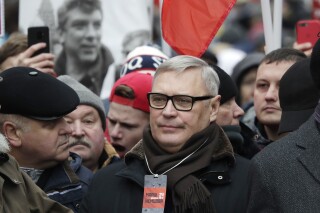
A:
184,162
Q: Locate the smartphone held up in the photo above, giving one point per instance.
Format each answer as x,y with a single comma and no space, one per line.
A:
308,31
37,35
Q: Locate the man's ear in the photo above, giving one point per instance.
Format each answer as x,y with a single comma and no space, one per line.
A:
214,106
12,133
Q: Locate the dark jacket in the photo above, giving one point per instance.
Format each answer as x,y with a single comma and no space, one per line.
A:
119,187
66,183
19,194
252,129
251,141
243,140
285,176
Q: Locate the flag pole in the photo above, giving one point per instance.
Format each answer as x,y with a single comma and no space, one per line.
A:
277,26
166,49
267,25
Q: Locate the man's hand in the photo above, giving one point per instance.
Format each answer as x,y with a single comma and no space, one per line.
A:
43,62
304,47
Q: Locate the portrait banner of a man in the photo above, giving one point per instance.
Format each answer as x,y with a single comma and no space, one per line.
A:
88,36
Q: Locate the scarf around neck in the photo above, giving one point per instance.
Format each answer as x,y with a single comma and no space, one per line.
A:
188,192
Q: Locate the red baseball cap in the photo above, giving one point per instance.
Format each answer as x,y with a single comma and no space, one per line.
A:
141,84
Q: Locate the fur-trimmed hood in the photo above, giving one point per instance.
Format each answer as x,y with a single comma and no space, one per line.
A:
4,145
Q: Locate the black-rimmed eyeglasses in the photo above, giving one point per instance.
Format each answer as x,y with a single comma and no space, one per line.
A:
180,102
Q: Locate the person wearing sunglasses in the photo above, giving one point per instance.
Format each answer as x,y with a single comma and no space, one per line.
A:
184,162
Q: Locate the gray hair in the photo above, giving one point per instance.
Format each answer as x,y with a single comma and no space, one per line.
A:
185,62
20,121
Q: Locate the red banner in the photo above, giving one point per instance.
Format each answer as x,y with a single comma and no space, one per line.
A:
189,26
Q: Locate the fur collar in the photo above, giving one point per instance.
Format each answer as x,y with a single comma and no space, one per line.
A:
4,145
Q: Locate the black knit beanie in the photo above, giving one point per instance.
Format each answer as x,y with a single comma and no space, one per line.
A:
227,88
315,73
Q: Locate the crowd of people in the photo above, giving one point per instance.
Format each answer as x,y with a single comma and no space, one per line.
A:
169,134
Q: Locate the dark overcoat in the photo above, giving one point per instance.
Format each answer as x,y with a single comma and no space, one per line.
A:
119,187
285,176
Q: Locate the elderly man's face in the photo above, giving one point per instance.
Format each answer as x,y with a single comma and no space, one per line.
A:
82,35
44,143
172,128
229,113
87,137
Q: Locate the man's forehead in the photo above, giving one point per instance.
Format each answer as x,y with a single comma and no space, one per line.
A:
124,111
178,75
179,82
80,14
275,68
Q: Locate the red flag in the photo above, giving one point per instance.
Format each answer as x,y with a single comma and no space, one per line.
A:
189,26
